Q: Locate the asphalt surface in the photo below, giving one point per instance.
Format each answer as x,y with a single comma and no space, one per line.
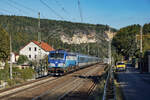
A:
135,86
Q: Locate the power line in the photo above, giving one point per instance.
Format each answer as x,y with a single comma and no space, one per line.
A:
62,8
1,13
8,3
21,5
51,9
6,10
80,10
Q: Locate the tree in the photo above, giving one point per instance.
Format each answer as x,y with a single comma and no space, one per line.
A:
24,30
146,39
4,44
22,59
27,73
146,29
125,41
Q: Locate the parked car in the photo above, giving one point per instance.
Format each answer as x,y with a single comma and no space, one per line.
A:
120,66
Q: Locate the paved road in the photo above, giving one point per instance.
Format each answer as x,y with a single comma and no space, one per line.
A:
135,86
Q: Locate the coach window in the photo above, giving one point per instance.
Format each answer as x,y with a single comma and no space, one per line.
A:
29,48
34,48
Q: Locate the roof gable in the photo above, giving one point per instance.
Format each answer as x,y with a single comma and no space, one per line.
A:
43,45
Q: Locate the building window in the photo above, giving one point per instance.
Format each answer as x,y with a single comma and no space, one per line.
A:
35,56
35,49
29,48
29,56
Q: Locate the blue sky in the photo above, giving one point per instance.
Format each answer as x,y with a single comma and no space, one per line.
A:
116,13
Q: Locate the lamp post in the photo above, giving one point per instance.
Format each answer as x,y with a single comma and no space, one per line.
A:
141,51
140,37
10,58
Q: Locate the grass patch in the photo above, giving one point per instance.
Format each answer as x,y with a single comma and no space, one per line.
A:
100,89
119,92
98,95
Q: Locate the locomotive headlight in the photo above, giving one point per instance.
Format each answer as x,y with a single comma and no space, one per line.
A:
51,64
60,64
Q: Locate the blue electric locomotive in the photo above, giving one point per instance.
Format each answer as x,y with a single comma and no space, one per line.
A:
61,61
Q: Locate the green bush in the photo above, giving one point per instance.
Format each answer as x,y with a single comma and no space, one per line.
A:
27,73
11,82
22,59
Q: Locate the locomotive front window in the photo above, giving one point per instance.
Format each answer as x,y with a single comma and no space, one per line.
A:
56,56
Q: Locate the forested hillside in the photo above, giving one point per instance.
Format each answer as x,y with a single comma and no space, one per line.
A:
25,29
127,40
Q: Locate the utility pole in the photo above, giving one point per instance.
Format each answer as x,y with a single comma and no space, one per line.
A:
39,33
39,40
79,6
98,52
141,39
88,49
141,33
109,51
10,58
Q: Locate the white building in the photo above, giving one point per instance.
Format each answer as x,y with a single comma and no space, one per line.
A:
35,50
13,57
2,64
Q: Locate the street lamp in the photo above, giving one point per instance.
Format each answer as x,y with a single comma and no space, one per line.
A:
10,58
141,51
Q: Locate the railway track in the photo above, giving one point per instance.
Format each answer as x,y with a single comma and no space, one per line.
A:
86,88
65,88
24,87
57,88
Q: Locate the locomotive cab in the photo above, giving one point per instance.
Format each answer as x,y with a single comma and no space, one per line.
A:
56,62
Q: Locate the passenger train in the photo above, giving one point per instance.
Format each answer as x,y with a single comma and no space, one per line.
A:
61,61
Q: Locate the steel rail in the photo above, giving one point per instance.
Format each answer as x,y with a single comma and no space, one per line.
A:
75,83
79,86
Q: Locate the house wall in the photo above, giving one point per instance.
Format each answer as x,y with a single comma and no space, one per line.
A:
17,57
13,59
31,53
2,64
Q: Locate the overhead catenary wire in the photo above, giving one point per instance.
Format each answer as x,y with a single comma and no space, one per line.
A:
51,9
63,9
21,5
1,13
11,5
27,8
6,11
80,10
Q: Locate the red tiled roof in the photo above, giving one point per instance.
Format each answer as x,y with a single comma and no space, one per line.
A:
43,45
